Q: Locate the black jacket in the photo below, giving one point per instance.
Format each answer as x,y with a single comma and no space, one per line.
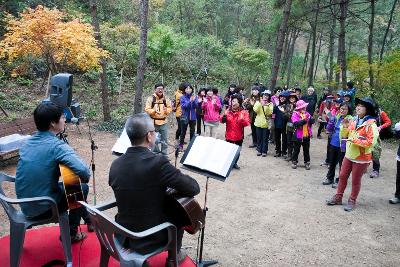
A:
139,179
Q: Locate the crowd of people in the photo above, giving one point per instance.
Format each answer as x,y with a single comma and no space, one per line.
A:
139,177
285,117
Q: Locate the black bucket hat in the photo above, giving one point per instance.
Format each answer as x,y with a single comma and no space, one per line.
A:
369,103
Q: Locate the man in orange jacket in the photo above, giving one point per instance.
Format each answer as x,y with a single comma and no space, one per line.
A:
158,106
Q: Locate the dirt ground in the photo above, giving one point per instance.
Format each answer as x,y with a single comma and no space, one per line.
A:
267,214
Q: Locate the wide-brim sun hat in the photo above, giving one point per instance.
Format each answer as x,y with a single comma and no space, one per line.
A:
301,104
266,92
369,103
284,94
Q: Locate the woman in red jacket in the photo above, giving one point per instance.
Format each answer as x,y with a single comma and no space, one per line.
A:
236,119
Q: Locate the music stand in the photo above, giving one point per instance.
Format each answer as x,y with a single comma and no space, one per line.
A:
209,174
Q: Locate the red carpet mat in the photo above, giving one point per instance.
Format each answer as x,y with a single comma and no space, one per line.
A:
42,246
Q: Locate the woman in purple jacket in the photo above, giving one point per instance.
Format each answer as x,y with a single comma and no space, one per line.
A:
189,104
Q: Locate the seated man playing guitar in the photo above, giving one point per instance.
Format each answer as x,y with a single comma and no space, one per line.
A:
139,179
38,169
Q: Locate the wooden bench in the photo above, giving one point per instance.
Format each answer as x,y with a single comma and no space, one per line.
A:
18,126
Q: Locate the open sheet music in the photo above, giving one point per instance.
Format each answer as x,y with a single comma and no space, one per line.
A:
211,155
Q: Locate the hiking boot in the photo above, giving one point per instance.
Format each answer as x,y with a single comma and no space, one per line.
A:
335,200
277,155
307,165
327,182
394,200
374,174
294,165
351,204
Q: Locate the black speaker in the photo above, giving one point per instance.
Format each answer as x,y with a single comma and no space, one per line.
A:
61,89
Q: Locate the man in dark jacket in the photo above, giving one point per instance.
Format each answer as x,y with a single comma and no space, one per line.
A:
139,179
311,99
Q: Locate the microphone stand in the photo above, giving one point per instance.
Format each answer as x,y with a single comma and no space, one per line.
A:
93,147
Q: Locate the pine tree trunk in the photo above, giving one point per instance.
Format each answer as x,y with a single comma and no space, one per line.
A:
332,45
286,52
103,74
314,44
141,68
370,44
342,40
291,52
318,53
384,38
387,31
304,69
279,43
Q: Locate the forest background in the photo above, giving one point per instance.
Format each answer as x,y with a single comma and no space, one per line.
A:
207,43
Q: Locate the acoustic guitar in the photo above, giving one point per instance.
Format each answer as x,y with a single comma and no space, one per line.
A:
72,187
186,210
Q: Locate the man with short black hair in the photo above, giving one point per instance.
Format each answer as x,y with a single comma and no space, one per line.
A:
139,179
38,169
158,106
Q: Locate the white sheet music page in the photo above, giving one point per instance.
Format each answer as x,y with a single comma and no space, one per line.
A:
122,143
211,154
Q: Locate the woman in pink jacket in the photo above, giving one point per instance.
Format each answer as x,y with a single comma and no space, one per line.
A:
302,121
211,106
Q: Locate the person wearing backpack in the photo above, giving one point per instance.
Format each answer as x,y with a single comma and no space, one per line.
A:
176,107
158,107
383,122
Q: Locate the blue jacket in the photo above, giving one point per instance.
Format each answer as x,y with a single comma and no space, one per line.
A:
189,108
333,128
38,169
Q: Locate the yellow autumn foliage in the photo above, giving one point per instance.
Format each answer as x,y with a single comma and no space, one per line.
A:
47,34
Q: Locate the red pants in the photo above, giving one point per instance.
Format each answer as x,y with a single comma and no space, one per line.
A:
357,170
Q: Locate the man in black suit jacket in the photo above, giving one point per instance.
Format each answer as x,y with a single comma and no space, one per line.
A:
139,179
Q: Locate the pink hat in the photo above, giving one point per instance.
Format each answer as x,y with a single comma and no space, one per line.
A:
301,104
